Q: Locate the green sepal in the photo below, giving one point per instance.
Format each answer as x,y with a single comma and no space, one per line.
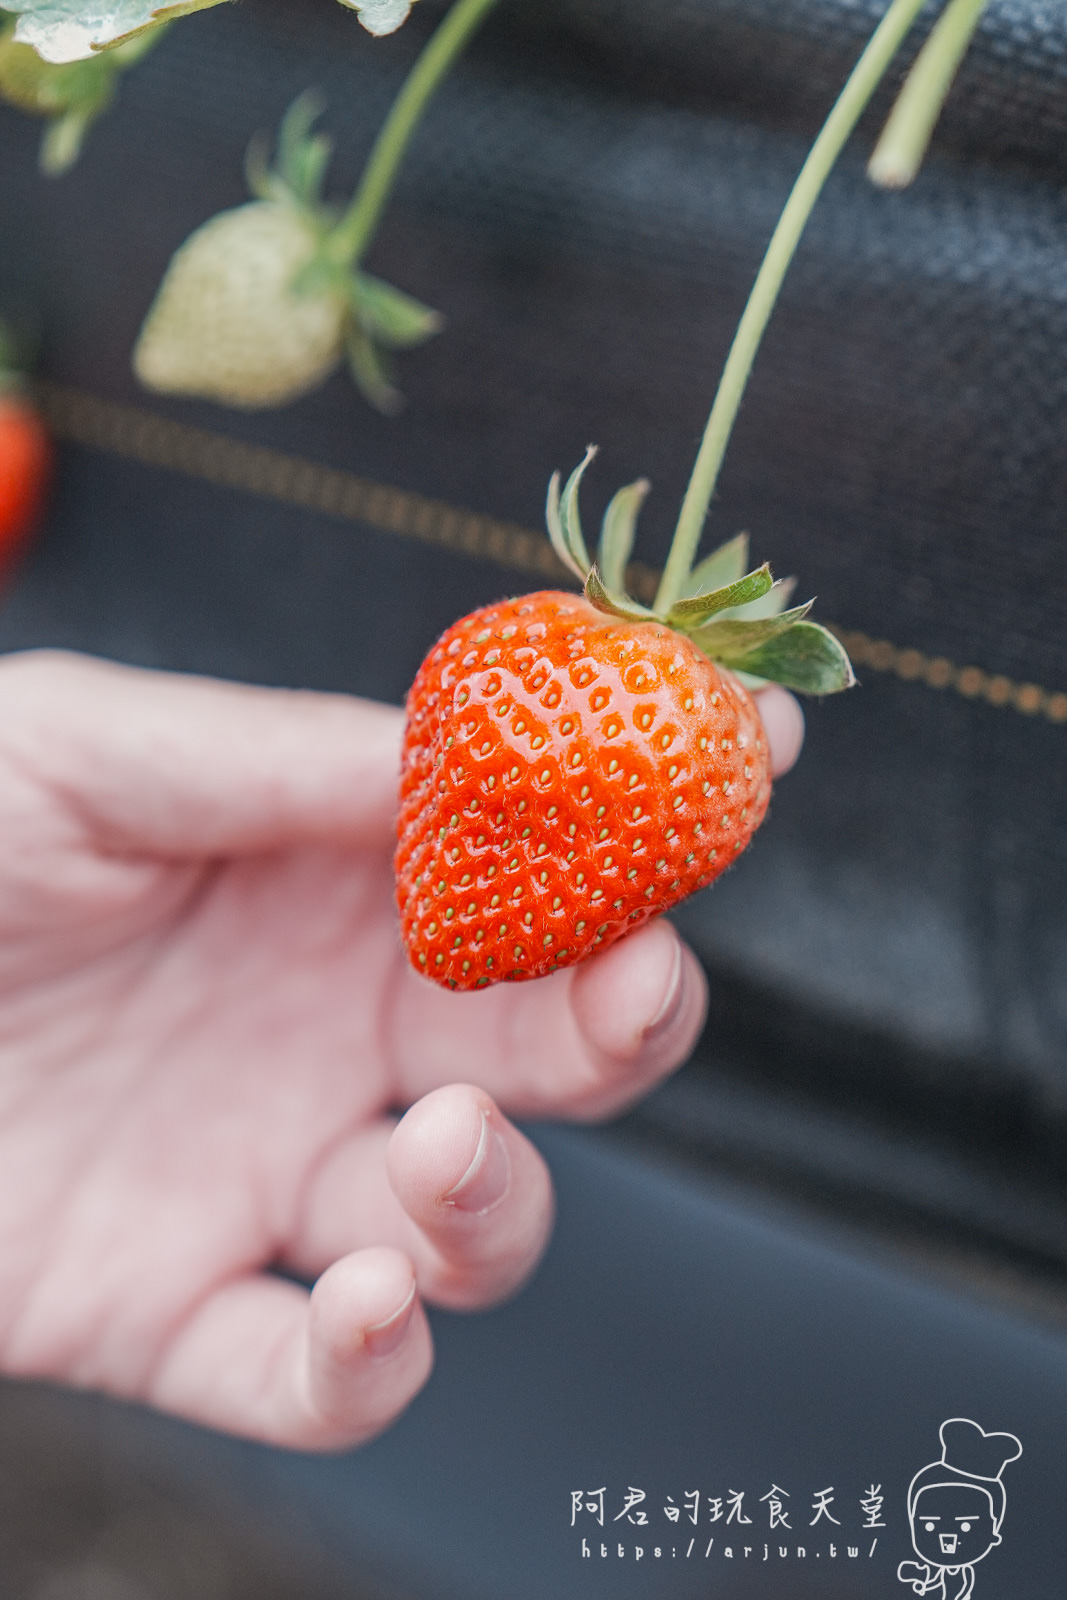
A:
391,317
687,615
564,521
301,159
615,605
806,657
729,637
771,604
617,533
371,373
303,156
724,565
554,522
570,517
310,164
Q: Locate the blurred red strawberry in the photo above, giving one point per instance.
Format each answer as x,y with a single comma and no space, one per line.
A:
25,466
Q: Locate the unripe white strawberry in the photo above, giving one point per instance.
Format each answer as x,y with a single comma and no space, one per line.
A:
260,304
230,321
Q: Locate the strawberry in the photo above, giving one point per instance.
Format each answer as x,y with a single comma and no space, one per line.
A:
573,765
259,305
25,463
227,323
565,776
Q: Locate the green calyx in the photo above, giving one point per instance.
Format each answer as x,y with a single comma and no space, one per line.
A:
739,619
379,319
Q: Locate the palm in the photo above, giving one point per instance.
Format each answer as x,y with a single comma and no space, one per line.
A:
199,1076
205,1024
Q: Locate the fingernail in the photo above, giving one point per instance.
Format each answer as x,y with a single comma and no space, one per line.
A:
673,1002
487,1179
382,1338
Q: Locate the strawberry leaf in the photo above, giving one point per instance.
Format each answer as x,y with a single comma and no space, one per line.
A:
806,657
690,614
380,16
617,532
728,638
71,30
391,317
724,565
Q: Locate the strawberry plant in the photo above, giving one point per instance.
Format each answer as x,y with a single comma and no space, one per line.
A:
71,96
64,61
262,302
573,765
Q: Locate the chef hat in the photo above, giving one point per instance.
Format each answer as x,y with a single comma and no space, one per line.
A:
969,1455
968,1449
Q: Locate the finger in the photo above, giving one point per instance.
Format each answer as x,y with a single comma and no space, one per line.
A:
454,1186
168,764
582,1043
327,1371
478,1193
783,720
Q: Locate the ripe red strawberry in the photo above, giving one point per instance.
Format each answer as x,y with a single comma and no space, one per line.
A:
25,459
566,775
574,764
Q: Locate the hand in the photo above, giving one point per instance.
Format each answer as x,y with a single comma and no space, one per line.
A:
206,1021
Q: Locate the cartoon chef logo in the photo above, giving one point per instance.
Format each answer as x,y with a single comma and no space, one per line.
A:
955,1507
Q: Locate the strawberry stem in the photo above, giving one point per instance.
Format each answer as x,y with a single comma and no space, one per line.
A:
899,153
852,102
353,234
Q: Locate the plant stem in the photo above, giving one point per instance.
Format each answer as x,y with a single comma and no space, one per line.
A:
899,153
355,230
852,102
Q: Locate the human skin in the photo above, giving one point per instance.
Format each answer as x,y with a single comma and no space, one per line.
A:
208,1029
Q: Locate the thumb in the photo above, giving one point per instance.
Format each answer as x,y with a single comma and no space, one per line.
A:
176,765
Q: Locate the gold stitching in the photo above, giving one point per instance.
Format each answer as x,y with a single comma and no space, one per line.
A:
124,430
937,672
